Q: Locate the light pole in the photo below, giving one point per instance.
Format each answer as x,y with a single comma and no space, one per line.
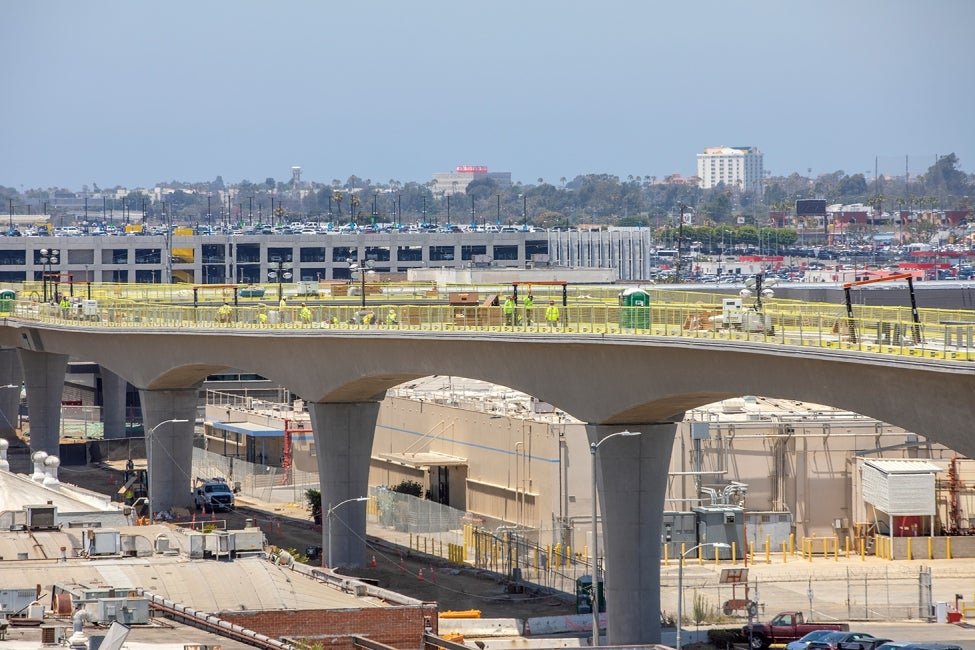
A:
281,274
680,241
328,515
149,443
48,258
594,598
680,582
362,269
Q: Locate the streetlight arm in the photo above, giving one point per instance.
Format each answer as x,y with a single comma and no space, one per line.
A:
149,457
328,520
331,508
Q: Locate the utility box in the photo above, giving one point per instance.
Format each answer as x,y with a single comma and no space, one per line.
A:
584,595
721,523
731,312
679,530
635,308
89,310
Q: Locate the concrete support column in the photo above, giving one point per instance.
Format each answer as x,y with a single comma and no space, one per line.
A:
632,483
169,446
113,404
10,378
343,440
44,377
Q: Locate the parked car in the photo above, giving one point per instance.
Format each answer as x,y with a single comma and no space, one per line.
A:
863,644
930,646
803,643
833,640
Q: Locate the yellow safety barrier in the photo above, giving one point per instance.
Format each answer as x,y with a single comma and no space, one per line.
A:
941,334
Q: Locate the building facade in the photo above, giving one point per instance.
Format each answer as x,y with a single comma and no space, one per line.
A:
251,259
736,167
456,182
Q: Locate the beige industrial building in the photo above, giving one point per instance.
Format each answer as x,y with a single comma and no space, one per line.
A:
508,460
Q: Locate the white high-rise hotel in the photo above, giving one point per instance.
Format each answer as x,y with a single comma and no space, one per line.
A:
738,167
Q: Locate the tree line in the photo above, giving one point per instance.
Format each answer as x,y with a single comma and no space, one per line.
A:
586,200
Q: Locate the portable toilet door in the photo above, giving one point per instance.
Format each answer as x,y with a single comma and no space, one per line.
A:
635,308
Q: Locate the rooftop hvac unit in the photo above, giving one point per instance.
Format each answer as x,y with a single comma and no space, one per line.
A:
124,610
41,517
249,540
15,600
217,544
104,542
129,545
196,541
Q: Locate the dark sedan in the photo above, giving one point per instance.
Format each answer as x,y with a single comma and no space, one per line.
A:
833,640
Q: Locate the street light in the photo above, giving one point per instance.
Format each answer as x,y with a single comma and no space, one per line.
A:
281,274
48,258
362,269
680,582
680,241
328,515
149,456
594,598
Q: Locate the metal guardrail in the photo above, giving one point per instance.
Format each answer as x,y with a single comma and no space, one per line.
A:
941,334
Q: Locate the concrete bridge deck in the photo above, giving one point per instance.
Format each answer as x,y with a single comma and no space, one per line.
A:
606,367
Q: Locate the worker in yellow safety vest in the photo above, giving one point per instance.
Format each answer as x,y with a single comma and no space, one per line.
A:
304,314
509,310
552,314
223,314
529,305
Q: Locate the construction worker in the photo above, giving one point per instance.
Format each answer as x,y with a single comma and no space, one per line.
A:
391,317
262,314
65,306
224,313
508,309
304,314
529,304
552,314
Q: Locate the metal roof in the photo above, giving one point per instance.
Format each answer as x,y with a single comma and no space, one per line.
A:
244,584
423,460
18,490
903,466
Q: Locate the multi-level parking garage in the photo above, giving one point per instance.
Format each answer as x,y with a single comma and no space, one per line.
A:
245,259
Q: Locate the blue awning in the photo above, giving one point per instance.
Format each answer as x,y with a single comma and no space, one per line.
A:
249,429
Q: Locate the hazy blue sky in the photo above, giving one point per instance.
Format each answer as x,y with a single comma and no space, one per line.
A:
134,93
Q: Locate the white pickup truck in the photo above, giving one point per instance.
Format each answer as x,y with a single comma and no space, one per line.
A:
211,495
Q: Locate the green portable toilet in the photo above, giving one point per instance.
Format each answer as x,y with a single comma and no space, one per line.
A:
635,308
7,301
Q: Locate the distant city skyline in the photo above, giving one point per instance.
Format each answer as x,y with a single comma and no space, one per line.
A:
120,94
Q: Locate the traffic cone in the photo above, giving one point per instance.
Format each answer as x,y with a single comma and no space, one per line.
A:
419,576
373,563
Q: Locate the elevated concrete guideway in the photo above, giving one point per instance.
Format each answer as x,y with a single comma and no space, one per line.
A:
641,383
